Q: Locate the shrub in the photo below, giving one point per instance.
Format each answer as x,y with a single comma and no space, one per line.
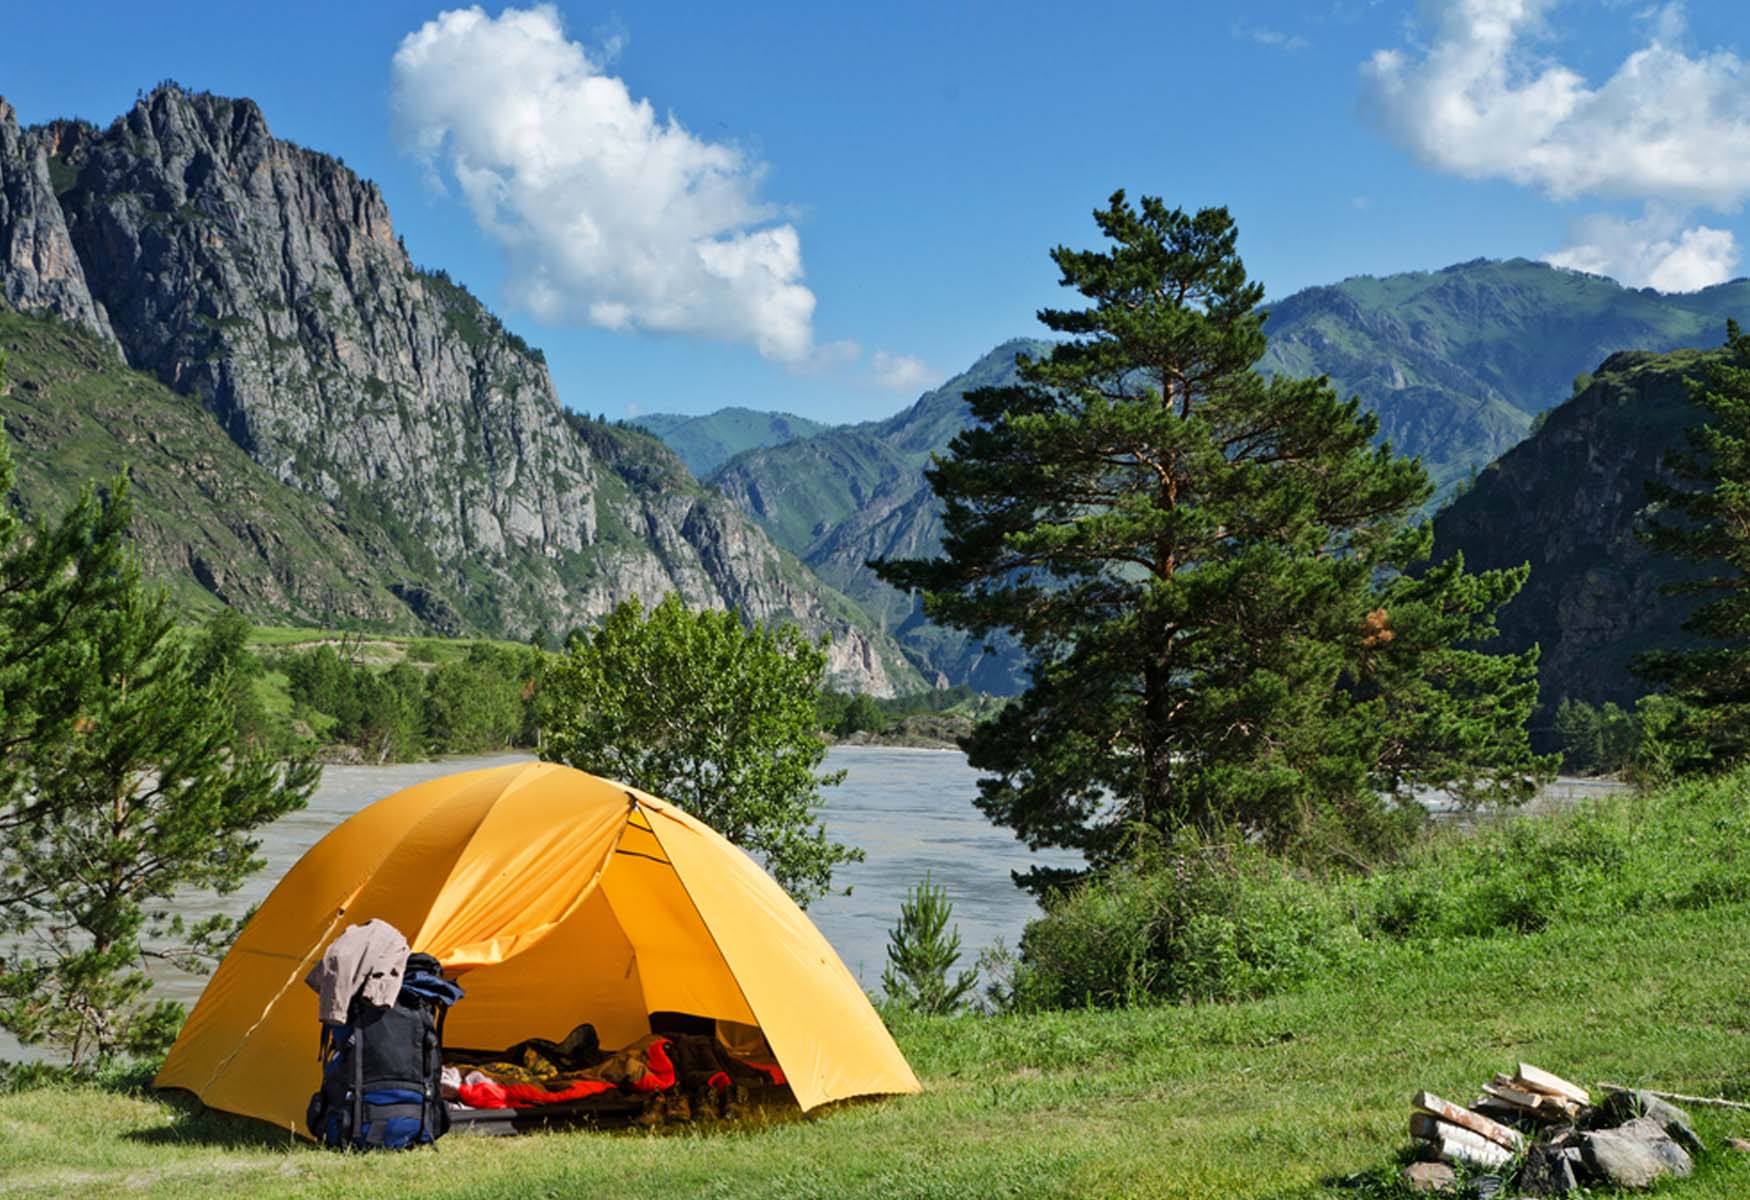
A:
1201,922
1212,922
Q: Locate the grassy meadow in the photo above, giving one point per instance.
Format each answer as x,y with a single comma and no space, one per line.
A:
1302,1093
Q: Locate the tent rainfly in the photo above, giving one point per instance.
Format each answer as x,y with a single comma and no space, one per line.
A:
560,898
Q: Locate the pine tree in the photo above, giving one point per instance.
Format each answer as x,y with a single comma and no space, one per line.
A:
124,785
1709,524
1209,569
922,950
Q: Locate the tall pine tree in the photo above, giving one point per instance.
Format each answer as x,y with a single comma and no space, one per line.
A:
125,787
1210,570
1707,521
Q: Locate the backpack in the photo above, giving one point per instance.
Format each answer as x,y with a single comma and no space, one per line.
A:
380,1070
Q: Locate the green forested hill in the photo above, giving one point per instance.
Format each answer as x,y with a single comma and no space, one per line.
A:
1457,362
208,519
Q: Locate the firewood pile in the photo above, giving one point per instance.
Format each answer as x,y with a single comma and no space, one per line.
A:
1545,1136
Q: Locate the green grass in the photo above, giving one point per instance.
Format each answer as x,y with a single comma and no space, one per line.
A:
1298,1095
387,648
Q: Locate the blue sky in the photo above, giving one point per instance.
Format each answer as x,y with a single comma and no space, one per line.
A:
827,208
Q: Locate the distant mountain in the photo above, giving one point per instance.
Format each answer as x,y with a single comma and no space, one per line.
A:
265,282
858,492
1457,362
1566,500
705,443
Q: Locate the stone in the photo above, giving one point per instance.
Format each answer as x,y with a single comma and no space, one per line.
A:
1547,1171
1430,1177
1623,1106
1633,1155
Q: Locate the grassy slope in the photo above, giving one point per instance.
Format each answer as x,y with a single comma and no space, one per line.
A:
1282,1097
202,507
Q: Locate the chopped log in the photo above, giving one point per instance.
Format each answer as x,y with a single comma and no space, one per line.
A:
1539,1080
1506,1093
1543,1107
1477,1123
1679,1097
1455,1144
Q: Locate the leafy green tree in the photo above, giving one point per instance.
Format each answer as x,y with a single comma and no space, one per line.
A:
1705,519
1210,570
862,715
221,658
123,784
478,703
1594,741
718,717
922,950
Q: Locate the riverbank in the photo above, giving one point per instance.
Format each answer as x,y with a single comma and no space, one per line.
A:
1301,1095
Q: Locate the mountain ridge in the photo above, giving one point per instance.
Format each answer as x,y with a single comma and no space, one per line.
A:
266,281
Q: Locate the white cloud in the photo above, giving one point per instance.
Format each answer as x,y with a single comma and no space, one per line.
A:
1477,102
1655,251
900,372
607,213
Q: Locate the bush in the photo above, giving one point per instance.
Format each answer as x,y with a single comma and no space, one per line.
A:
1203,922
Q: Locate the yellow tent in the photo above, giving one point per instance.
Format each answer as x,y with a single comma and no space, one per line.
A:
562,898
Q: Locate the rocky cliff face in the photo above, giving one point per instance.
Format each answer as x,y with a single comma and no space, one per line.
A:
38,267
1566,500
266,280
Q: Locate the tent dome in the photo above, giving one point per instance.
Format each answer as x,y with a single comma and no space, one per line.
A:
561,898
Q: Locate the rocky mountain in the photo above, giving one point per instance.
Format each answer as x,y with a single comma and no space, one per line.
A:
704,443
1566,500
266,282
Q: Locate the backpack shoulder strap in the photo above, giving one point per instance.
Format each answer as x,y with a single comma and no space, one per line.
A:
358,1081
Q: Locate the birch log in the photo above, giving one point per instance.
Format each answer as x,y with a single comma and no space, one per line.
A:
1476,1123
1455,1144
